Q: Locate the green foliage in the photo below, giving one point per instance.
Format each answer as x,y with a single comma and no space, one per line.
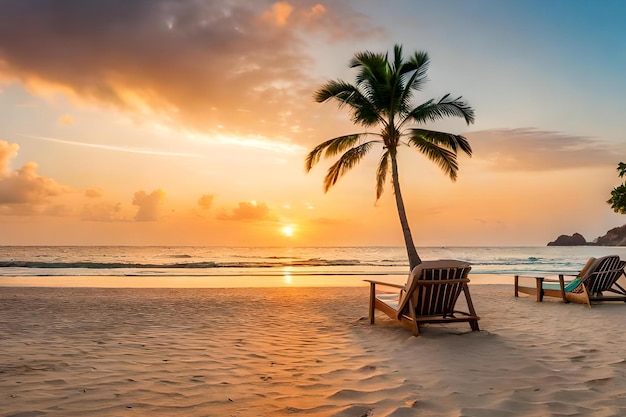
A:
382,96
618,195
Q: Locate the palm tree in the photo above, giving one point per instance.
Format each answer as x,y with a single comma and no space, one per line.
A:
382,97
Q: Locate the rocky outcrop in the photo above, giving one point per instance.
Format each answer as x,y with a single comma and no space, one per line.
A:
574,240
614,237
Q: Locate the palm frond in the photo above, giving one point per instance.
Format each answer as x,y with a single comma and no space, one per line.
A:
347,161
330,148
367,59
395,83
372,70
342,143
362,110
447,140
374,79
338,89
398,59
381,174
445,159
412,78
313,157
372,66
431,111
417,65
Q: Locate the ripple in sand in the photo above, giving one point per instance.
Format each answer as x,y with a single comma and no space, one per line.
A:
56,382
316,386
352,395
354,411
597,382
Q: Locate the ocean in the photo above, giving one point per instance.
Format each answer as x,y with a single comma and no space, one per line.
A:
168,263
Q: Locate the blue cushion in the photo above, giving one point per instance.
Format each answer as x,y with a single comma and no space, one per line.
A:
551,286
555,286
569,287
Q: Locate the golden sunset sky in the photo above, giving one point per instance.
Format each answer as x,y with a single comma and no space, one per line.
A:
161,122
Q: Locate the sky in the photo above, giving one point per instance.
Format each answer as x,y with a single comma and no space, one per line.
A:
187,122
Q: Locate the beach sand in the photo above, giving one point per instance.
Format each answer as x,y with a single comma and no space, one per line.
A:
296,351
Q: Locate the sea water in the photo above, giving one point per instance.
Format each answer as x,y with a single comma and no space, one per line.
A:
371,261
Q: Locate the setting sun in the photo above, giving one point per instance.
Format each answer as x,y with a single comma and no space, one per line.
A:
287,231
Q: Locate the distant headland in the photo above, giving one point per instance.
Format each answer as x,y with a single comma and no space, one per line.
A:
614,237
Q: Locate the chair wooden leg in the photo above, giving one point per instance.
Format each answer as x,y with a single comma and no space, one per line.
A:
562,285
415,327
539,283
468,299
372,301
516,284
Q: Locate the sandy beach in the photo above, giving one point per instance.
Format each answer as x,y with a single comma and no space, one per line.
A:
300,351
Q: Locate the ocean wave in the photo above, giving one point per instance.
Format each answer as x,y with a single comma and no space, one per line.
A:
314,262
518,261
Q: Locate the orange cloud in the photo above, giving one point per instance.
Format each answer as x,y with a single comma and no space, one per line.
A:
24,187
250,211
66,120
93,193
102,212
148,205
8,151
316,10
205,201
279,13
528,149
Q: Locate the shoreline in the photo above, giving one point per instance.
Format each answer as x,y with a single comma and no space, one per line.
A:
300,351
239,281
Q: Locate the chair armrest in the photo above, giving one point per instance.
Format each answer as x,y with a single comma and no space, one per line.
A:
387,284
544,279
534,276
568,277
538,280
539,289
373,294
441,282
528,276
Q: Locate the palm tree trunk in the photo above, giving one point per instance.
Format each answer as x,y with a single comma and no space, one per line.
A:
414,258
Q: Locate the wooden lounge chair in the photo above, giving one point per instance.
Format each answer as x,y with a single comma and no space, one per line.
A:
597,285
429,296
547,286
597,277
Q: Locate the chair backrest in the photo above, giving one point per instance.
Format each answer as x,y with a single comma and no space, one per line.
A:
602,274
434,299
590,262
